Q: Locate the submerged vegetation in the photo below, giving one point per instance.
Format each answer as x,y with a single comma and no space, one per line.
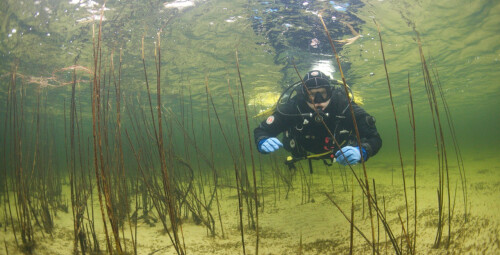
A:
119,163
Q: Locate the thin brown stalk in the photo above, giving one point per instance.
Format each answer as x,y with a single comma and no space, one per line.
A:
76,199
95,109
458,153
349,219
242,173
396,123
405,234
149,186
172,212
212,162
412,123
121,166
251,155
231,152
237,173
147,88
351,236
378,217
367,185
431,94
9,112
21,187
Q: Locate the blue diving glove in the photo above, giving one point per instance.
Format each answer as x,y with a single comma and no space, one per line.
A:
351,155
270,144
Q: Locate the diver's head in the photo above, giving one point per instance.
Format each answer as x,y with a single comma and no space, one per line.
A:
317,90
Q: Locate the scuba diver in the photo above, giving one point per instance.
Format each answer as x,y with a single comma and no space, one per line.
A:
308,114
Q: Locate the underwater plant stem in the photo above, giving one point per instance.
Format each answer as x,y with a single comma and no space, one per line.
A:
431,94
351,236
136,208
231,152
10,111
149,186
210,223
237,172
76,206
22,188
458,153
364,186
251,156
348,219
172,212
367,184
414,132
242,170
405,234
147,88
378,216
121,166
212,161
95,109
396,124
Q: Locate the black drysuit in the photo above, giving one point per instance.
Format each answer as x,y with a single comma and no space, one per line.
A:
303,132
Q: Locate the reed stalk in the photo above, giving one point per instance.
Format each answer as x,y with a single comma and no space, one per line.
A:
194,140
441,147
237,173
22,199
147,88
231,152
351,236
243,173
95,111
76,207
91,214
350,221
151,187
167,185
405,235
209,222
364,185
9,112
397,127
212,161
252,157
202,184
411,114
121,167
367,185
378,217
458,153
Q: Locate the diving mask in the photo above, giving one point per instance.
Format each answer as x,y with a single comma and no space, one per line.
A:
319,95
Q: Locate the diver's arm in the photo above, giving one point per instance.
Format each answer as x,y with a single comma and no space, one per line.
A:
274,125
282,118
270,127
370,138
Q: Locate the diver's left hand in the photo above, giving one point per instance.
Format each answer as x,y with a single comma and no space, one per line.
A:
349,155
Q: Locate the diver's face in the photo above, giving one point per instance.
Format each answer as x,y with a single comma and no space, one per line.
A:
318,98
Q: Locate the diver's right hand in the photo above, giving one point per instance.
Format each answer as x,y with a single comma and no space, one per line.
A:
270,144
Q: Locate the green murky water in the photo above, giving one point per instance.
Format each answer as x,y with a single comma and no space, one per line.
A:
44,41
